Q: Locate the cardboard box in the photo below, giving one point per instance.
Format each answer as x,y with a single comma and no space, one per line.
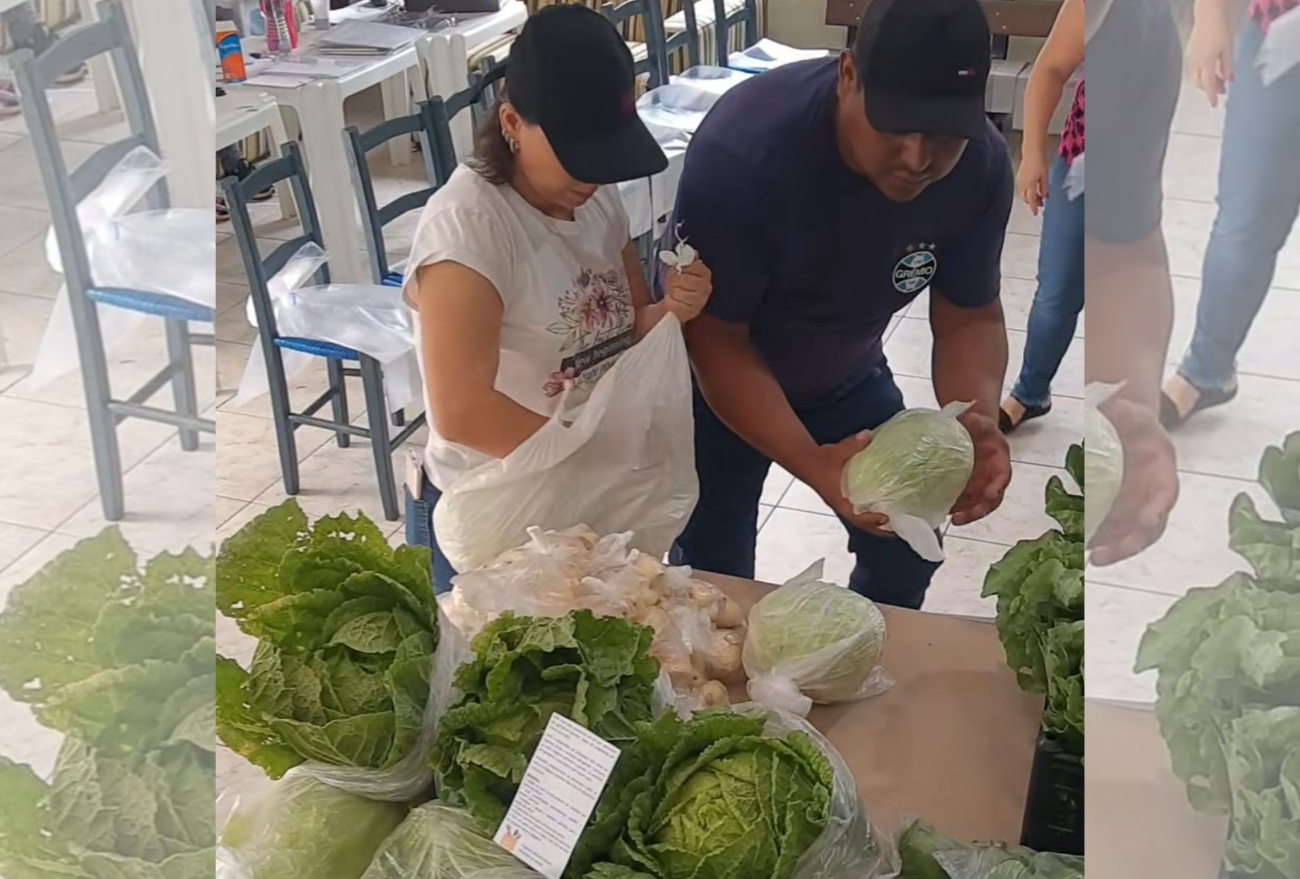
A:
1139,824
952,742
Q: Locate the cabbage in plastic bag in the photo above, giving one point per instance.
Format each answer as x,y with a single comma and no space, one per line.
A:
1103,457
811,641
995,862
437,841
916,467
302,827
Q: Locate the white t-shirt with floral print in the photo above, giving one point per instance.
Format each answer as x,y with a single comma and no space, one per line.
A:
568,306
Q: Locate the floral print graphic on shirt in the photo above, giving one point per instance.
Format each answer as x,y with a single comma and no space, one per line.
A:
1072,135
596,325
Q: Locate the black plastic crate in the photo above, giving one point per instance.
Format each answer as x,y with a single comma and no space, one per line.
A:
1054,805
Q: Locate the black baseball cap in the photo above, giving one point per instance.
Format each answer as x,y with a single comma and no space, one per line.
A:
572,74
924,65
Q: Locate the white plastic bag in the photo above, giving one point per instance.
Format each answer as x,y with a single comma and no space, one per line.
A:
156,251
438,841
626,463
300,826
995,862
1280,51
812,641
914,470
368,318
1074,178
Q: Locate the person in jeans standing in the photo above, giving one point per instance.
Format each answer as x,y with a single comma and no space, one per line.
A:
1258,198
27,32
1059,297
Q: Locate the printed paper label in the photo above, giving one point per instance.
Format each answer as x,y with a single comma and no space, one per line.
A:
560,789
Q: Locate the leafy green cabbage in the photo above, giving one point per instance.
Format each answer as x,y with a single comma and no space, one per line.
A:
1104,461
815,638
347,628
437,841
119,660
596,671
918,464
302,827
717,799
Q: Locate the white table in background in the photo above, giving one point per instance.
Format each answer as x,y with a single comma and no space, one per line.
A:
446,58
318,107
243,114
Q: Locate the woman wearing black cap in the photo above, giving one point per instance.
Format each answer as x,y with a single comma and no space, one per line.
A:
522,274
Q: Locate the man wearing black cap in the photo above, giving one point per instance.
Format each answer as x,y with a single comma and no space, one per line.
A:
825,196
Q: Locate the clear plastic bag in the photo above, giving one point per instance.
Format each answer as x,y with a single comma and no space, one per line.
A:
368,318
1280,51
995,862
812,641
438,841
917,465
168,251
850,847
412,776
625,463
300,827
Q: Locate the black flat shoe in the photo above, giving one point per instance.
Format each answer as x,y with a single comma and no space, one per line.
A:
1007,425
1171,417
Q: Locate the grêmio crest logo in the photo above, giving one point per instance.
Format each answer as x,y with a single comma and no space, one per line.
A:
914,271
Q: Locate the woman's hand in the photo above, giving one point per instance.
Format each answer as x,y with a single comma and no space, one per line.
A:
1209,52
1031,180
687,290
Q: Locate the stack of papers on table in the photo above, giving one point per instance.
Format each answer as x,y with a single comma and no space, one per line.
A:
712,79
676,106
768,54
366,38
299,69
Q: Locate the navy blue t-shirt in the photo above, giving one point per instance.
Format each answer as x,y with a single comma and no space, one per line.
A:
812,256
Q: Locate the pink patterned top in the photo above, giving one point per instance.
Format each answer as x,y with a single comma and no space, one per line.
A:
1072,134
1265,12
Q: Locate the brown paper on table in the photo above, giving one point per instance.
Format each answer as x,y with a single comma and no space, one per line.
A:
1139,824
952,742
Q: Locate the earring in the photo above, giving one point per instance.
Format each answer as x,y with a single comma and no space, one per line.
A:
512,143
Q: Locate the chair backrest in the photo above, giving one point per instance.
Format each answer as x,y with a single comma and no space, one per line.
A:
261,269
688,39
651,14
492,73
722,25
35,75
444,110
374,216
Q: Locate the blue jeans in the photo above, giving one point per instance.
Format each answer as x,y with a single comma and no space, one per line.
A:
1259,197
723,531
419,532
1059,297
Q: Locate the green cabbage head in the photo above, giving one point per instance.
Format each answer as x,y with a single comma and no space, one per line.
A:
1103,461
916,467
812,641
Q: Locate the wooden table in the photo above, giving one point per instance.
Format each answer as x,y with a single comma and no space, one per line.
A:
951,742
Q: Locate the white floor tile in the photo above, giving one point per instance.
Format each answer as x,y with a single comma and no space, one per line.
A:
1023,220
1020,256
1069,376
22,323
15,540
1116,620
47,472
1046,440
304,388
1194,549
1192,167
764,513
226,508
1187,230
775,486
1270,348
1017,299
230,296
336,480
26,270
909,348
801,497
21,185
30,563
1229,440
248,460
239,520
1194,115
231,360
1022,514
170,503
232,326
956,586
20,225
792,540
